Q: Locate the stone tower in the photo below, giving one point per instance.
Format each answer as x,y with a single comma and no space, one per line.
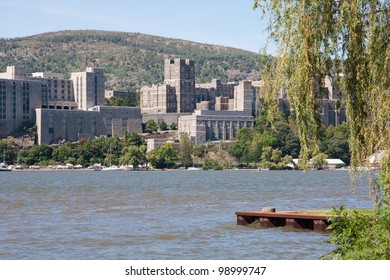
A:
244,96
180,73
88,88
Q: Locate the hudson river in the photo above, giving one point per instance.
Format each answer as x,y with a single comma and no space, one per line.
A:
164,214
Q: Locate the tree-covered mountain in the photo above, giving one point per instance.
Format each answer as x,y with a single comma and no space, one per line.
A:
130,60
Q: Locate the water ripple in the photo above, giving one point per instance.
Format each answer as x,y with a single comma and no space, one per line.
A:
163,215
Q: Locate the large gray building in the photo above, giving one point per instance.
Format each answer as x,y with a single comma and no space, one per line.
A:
57,125
179,93
63,109
176,94
206,112
204,126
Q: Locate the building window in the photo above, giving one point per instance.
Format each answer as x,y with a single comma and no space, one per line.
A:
14,100
51,130
44,94
96,90
2,101
26,101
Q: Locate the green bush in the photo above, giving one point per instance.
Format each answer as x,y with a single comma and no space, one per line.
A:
360,235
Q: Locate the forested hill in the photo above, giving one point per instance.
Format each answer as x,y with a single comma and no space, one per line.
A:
130,60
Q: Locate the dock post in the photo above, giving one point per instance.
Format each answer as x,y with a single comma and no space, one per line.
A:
244,220
266,222
320,225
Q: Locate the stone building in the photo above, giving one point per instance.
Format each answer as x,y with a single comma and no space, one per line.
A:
22,94
158,99
215,95
63,109
88,88
204,126
54,126
179,93
117,120
130,96
57,125
176,94
115,93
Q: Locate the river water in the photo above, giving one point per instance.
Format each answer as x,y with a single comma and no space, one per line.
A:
164,214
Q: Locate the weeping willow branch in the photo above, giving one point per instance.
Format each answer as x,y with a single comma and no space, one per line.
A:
348,40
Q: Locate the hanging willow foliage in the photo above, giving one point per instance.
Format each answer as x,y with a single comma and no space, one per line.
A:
348,40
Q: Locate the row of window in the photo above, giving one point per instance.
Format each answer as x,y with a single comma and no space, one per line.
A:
2,101
25,101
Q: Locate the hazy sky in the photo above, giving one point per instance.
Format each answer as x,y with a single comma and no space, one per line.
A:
230,23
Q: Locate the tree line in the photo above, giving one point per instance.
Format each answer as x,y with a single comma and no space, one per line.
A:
271,146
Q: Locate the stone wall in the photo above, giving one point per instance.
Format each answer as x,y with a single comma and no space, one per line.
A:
54,126
71,125
120,119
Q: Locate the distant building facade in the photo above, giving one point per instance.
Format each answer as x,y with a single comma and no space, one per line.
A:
115,93
88,88
57,125
63,109
206,112
205,126
176,94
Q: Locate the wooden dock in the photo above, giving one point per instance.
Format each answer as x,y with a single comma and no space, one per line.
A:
290,219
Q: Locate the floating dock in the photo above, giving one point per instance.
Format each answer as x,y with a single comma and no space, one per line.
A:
292,219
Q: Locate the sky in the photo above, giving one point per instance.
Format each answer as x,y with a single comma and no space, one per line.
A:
231,23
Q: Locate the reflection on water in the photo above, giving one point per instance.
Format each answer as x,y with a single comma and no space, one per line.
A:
163,215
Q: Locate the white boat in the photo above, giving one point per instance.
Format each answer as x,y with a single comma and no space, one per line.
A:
111,168
195,168
4,167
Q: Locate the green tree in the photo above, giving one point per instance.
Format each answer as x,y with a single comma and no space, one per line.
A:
241,147
173,126
258,142
209,163
66,153
132,139
335,142
282,129
163,156
266,155
163,125
90,151
198,151
29,128
41,154
185,150
151,126
113,147
319,161
134,155
318,38
7,154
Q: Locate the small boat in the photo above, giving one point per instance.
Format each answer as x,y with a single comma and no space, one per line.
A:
111,168
195,168
4,167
